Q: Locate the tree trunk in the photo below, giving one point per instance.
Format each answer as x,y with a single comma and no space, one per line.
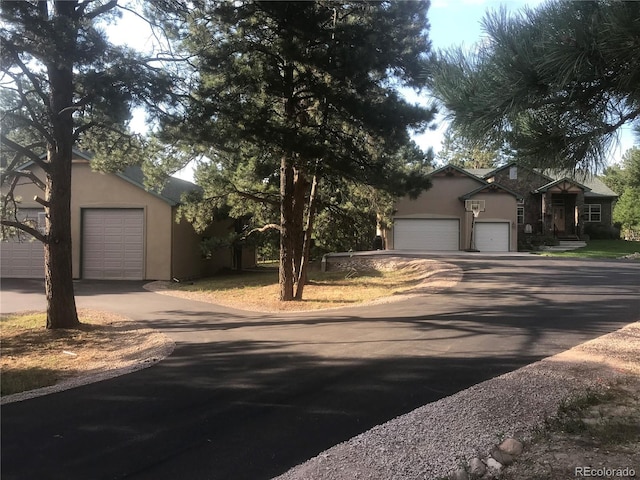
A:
58,280
237,249
299,202
287,239
306,249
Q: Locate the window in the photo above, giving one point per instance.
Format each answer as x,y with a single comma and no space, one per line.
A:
520,215
513,173
592,212
42,222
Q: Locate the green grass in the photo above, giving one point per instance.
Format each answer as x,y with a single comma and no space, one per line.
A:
600,249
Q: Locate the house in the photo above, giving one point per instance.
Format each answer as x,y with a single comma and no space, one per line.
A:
120,230
510,200
441,218
556,203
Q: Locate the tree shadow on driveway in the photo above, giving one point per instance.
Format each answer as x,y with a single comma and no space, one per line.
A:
251,395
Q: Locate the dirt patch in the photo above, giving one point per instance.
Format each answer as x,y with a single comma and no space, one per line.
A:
428,276
105,346
595,434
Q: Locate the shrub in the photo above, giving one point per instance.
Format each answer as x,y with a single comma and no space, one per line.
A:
602,232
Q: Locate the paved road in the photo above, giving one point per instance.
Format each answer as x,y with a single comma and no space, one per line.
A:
249,395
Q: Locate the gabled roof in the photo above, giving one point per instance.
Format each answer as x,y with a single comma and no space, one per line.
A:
592,185
493,172
171,191
479,172
562,182
490,187
450,170
596,188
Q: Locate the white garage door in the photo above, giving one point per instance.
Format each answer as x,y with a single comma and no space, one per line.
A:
492,236
113,244
22,259
426,234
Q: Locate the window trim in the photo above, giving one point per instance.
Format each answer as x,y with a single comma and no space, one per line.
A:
591,214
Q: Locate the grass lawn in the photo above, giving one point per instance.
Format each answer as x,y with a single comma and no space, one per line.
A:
259,288
600,249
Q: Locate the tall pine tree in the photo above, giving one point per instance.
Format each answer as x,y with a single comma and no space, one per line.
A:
291,93
63,83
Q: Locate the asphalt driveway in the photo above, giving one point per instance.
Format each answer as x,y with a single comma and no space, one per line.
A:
249,395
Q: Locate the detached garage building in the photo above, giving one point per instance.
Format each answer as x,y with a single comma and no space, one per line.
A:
440,218
119,230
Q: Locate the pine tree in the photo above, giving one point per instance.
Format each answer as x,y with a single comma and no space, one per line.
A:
464,153
555,83
64,84
624,179
295,96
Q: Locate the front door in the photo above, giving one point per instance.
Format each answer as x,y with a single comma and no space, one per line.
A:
558,220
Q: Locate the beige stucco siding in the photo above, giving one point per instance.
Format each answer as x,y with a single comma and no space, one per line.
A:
91,189
103,190
499,207
440,201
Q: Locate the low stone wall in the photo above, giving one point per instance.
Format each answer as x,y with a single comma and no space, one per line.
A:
362,263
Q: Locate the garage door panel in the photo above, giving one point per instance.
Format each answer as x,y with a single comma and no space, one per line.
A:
113,244
21,259
426,234
492,236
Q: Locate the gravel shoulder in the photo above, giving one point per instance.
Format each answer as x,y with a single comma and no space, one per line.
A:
436,440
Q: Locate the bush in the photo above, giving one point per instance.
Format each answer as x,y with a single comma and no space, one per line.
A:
602,232
534,242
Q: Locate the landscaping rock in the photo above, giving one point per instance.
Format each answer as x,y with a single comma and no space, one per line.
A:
477,468
502,457
511,446
493,464
460,474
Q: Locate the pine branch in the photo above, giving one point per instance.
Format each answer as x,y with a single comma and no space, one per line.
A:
25,228
270,226
24,151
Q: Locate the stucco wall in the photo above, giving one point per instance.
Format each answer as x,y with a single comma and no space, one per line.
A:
171,249
442,200
97,190
499,207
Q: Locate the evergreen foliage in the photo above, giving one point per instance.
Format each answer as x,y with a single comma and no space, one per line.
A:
64,85
555,83
624,179
465,153
295,99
